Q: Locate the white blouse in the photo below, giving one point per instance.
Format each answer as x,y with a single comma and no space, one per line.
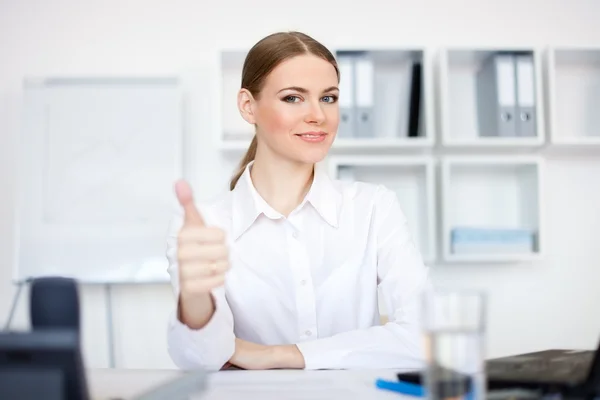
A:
310,279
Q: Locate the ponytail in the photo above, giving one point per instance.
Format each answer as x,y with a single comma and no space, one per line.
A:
250,154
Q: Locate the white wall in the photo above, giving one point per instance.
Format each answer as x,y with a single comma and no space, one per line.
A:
551,304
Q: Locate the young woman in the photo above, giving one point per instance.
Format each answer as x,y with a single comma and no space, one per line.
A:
283,270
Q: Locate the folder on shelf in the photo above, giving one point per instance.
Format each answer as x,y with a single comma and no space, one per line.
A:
496,96
415,101
346,67
365,83
526,112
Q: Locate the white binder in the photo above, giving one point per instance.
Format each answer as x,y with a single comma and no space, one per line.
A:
365,83
496,96
526,110
346,67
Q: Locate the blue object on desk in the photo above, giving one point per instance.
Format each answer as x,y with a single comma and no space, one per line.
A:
410,389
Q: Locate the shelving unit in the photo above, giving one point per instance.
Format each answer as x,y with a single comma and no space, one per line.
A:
495,203
573,81
469,104
470,193
411,178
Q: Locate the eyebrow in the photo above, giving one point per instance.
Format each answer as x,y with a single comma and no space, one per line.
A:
303,90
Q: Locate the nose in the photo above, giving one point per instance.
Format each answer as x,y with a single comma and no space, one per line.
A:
315,114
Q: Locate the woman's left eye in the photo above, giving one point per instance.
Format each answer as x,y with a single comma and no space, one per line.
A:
330,99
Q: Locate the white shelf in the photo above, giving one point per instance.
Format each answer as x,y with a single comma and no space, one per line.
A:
501,192
234,132
411,178
391,89
459,122
573,80
381,143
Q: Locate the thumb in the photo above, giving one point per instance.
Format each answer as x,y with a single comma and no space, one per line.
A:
186,199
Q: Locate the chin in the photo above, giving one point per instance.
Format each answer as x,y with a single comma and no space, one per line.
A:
313,156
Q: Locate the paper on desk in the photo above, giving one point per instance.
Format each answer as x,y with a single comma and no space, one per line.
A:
276,392
292,385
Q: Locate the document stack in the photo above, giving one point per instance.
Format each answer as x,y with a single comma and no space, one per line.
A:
506,103
359,90
472,240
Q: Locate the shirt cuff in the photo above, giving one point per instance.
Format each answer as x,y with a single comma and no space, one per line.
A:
209,347
317,355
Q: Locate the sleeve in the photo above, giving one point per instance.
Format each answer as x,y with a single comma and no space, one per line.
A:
209,347
403,279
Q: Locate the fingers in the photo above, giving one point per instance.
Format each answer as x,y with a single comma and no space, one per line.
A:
204,270
186,200
203,253
219,267
193,234
200,277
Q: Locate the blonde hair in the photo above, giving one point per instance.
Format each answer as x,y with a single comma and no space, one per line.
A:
262,58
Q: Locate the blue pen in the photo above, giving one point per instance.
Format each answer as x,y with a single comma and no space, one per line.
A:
409,389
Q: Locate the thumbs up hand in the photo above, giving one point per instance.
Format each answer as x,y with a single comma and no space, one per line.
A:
202,252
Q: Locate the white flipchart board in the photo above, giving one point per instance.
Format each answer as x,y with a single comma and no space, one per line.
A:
98,160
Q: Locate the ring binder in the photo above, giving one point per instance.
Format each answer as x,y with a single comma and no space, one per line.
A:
496,96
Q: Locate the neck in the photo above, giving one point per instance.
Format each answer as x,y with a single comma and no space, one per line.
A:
282,184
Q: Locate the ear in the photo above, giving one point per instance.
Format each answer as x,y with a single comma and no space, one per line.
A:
246,104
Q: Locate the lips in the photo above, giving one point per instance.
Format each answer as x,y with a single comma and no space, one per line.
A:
313,135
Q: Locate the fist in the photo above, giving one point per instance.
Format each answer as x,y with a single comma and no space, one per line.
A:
202,252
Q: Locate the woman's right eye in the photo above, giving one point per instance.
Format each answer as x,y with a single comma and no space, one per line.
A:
290,98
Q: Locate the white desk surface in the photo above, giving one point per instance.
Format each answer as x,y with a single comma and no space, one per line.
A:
106,384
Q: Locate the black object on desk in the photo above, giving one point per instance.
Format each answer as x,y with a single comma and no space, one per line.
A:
448,383
573,374
42,365
570,374
46,363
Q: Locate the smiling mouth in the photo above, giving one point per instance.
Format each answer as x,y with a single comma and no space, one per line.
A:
312,135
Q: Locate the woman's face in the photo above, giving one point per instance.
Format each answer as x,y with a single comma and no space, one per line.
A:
297,111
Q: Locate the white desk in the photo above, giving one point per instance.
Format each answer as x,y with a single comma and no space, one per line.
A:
108,384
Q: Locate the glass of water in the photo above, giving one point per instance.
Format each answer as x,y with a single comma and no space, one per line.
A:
454,332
